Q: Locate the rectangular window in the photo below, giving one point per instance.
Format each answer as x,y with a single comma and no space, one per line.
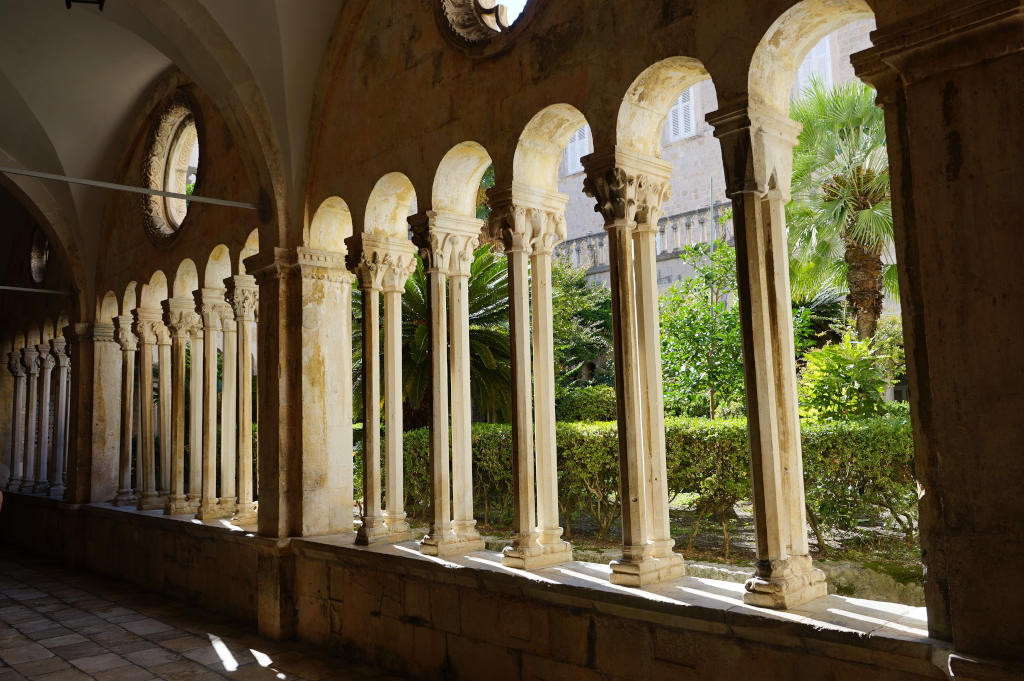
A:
577,148
681,123
817,63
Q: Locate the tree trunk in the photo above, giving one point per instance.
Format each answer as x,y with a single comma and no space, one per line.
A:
864,278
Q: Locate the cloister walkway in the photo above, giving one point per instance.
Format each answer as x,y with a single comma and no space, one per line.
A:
61,625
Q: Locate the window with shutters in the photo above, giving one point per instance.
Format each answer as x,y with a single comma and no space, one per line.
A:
817,64
579,146
681,122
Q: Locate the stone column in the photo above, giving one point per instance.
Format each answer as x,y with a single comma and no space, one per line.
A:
385,265
46,363
210,302
228,502
243,294
448,248
146,323
129,344
182,320
163,342
18,420
525,218
613,179
56,470
29,355
196,411
759,190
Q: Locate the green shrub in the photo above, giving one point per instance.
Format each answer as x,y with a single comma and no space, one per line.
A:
842,380
589,403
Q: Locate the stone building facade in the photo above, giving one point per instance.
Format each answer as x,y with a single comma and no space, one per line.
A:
338,141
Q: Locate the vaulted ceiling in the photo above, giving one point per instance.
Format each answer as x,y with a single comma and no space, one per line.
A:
72,81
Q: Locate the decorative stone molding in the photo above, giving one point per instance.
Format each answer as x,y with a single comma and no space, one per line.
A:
386,262
627,186
475,21
453,240
14,364
161,217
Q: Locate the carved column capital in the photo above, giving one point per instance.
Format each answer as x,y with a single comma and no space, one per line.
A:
181,318
209,303
14,364
243,295
628,187
760,142
59,348
125,336
28,360
526,218
452,241
46,360
386,262
145,326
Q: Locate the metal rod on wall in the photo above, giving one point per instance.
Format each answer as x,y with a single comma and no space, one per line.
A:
128,188
50,291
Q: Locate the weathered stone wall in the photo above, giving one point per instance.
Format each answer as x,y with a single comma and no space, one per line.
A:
436,620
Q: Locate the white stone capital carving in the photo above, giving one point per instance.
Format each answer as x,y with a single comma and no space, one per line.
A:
125,336
28,359
628,187
243,295
386,263
453,239
181,318
210,302
14,364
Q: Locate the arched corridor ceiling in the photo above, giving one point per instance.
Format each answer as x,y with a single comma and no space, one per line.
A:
72,84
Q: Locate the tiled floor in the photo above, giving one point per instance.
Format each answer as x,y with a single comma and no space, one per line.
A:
59,625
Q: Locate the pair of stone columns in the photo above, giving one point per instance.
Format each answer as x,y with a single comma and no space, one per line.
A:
447,244
528,222
37,461
386,263
759,188
629,189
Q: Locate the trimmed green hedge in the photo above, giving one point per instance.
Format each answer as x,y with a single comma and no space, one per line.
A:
589,403
854,471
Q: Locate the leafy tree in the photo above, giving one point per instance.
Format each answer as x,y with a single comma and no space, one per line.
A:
701,347
582,312
488,342
846,379
840,218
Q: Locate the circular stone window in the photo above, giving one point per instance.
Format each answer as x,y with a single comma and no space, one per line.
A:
478,22
39,256
172,165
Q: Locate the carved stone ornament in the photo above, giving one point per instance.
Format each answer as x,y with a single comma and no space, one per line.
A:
167,154
476,23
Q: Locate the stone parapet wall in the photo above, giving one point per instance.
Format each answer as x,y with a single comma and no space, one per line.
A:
467,617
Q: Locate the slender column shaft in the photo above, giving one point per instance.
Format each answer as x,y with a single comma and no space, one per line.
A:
46,363
29,356
176,502
544,392
146,332
649,339
166,406
56,470
243,299
128,344
347,496
210,302
373,519
440,518
462,414
394,489
228,424
627,386
17,421
195,404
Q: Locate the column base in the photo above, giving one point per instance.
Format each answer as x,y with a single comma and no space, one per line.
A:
41,487
14,485
25,487
176,505
57,491
376,530
246,514
450,543
125,497
638,567
528,553
150,501
209,511
785,584
228,506
192,501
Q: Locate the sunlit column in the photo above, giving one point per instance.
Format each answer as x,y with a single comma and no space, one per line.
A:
29,357
56,470
129,344
762,142
163,342
244,293
371,273
18,417
182,320
146,322
196,411
394,491
228,409
652,191
210,301
46,363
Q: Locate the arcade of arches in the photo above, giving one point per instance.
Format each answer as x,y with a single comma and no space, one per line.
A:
168,344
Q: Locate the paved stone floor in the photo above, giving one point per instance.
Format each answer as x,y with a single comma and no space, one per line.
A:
60,625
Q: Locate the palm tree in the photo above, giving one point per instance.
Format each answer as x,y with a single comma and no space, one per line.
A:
489,368
840,218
